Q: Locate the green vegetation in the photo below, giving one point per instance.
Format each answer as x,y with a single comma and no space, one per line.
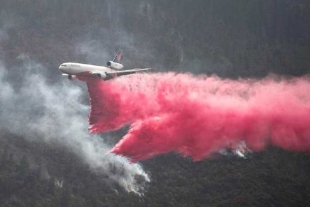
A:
273,178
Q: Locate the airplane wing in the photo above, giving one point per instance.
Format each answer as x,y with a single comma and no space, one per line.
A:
126,72
107,75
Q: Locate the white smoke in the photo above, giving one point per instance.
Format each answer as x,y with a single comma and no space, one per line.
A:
54,113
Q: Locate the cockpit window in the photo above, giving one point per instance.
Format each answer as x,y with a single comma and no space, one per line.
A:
63,65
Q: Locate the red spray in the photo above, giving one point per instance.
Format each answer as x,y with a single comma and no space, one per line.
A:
197,116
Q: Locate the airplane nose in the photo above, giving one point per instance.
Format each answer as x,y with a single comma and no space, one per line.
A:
61,68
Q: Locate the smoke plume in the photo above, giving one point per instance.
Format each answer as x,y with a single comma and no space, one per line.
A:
197,116
54,113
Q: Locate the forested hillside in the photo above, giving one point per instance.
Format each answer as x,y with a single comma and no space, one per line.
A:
47,157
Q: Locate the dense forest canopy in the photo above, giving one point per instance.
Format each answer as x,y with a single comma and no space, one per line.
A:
229,39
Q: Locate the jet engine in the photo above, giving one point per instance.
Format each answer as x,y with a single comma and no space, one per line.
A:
72,77
115,65
103,76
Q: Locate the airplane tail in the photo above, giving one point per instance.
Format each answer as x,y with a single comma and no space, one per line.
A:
115,63
118,56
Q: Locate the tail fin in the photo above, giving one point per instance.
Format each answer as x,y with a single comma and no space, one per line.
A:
118,56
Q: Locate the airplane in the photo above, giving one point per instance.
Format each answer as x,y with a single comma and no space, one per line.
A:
75,70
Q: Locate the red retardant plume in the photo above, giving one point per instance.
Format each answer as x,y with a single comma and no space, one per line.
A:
197,116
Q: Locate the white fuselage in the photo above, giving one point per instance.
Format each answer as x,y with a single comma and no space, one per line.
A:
77,68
